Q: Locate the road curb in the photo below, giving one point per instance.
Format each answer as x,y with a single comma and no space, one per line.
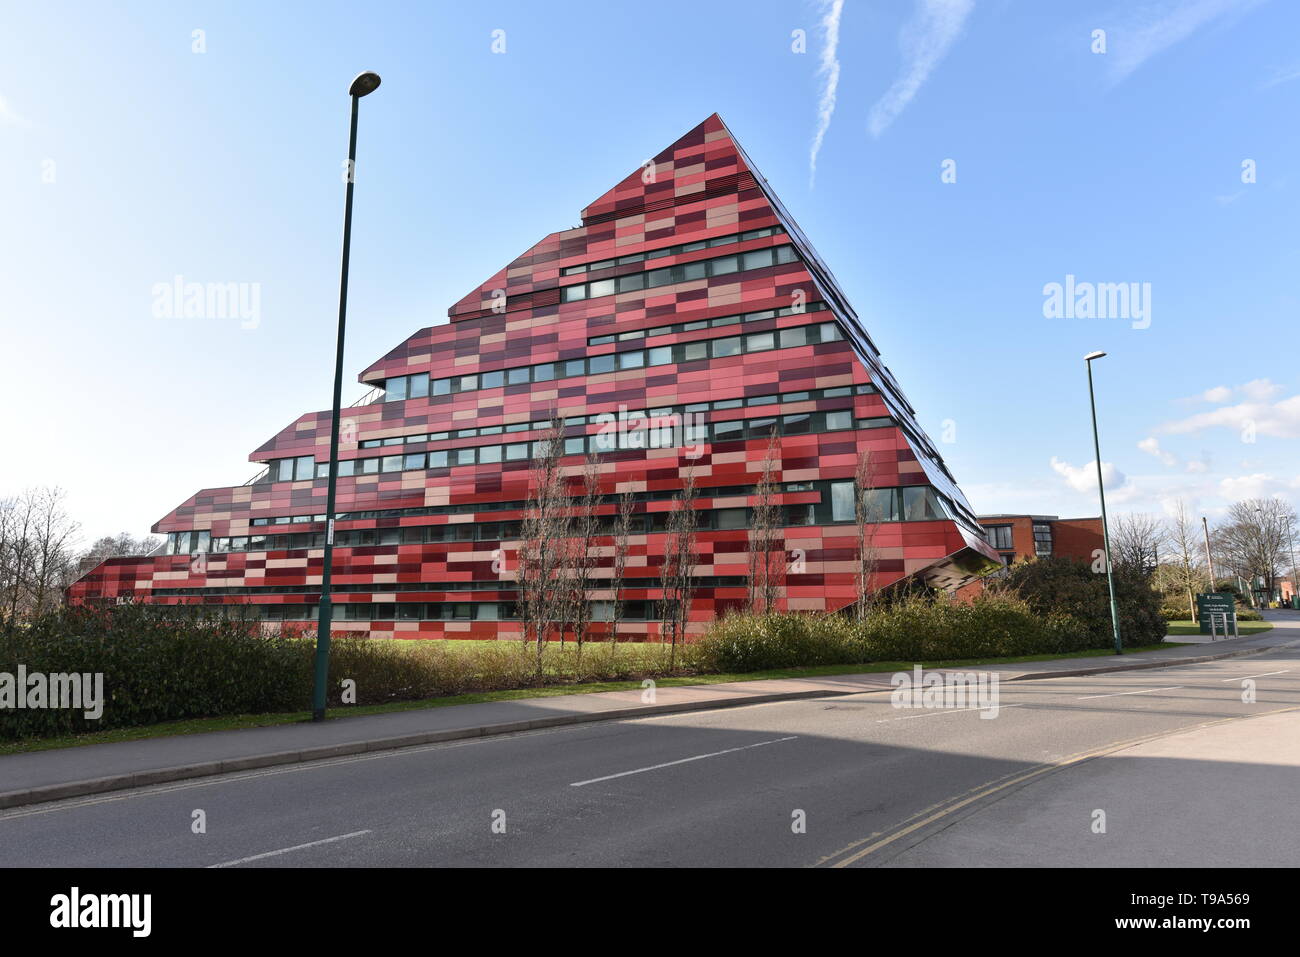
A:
1144,665
155,776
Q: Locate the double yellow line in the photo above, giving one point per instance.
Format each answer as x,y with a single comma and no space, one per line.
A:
855,851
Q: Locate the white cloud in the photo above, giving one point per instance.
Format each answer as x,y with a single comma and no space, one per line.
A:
830,70
9,116
1281,76
1151,446
1279,419
1157,26
1220,393
1259,390
1083,478
924,41
1258,485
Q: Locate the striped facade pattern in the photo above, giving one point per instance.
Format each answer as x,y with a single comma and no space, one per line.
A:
410,576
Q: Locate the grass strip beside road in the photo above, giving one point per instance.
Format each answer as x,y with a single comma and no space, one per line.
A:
1177,628
238,722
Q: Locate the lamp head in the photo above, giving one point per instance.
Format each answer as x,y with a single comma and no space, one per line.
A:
1093,355
364,84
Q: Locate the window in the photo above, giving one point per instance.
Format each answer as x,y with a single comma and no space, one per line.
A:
419,386
631,360
413,460
841,501
391,463
760,341
493,380
1042,538
798,336
544,372
726,347
517,376
397,389
920,504
756,259
999,536
659,356
732,518
839,419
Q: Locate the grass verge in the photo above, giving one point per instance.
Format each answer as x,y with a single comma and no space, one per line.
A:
1243,627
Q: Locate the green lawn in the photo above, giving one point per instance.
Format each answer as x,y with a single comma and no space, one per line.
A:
235,722
1243,627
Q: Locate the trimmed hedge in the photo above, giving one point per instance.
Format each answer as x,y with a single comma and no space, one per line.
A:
915,629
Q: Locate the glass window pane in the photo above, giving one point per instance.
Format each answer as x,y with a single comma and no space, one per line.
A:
391,463
796,424
284,470
575,367
489,453
306,467
519,376
841,501
692,271
659,277
419,387
785,254
575,292
695,350
631,360
797,336
756,259
830,332
727,264
467,383
598,364
396,388
493,380
732,518
759,341
369,466
726,431
465,456
413,460
726,347
660,356
517,451
632,282
437,460
605,287
544,372
441,387
839,419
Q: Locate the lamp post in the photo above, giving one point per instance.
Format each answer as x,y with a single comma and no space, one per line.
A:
1101,491
363,85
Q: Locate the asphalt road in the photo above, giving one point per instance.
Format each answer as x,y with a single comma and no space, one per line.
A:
1185,771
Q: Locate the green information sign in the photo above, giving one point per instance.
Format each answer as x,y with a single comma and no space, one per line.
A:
1217,602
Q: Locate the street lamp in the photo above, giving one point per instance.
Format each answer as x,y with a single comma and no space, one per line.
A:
364,84
1101,491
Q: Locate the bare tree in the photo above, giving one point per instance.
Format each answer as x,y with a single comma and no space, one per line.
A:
622,539
1186,573
1256,539
868,513
121,545
678,568
543,543
37,538
765,563
1135,541
582,563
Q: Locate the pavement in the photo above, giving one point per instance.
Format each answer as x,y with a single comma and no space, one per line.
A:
37,777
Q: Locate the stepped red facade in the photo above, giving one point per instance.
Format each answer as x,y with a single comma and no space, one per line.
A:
684,320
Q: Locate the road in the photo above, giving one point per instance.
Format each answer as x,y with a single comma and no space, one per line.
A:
1186,772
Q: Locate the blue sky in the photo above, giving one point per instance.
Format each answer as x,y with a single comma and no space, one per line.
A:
127,158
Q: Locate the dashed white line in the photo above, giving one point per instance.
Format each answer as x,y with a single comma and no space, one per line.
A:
669,764
1120,694
286,850
938,711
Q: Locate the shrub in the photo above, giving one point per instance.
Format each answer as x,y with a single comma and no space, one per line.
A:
1069,586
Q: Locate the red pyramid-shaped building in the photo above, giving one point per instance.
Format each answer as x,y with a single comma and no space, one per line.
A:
682,324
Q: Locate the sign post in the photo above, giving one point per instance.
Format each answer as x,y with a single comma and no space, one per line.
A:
1220,603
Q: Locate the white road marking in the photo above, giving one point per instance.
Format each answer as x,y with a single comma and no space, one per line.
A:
286,850
669,764
1120,694
1264,675
936,711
